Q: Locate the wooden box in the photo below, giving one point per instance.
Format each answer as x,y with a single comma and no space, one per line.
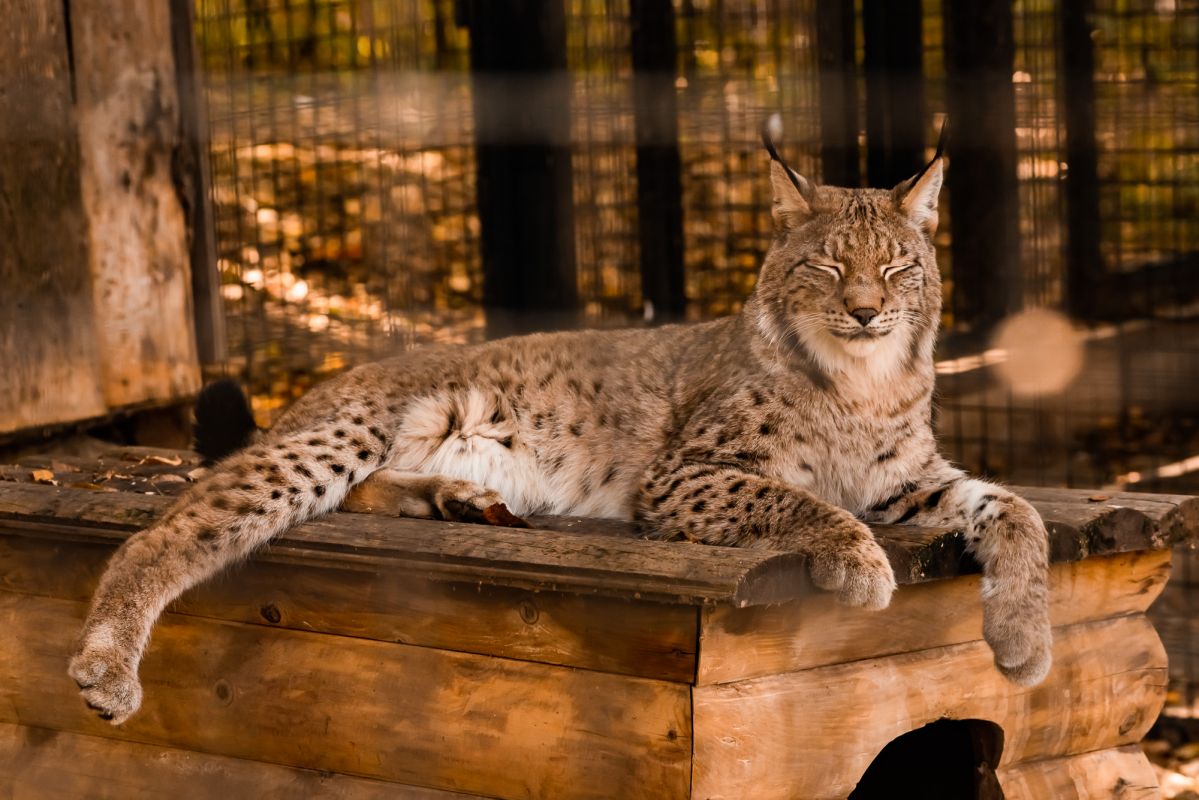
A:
363,656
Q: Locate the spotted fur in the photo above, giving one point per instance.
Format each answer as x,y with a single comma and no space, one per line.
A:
782,427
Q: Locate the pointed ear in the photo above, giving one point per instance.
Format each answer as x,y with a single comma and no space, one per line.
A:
916,198
791,207
792,192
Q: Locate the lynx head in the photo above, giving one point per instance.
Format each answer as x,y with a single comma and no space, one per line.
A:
851,276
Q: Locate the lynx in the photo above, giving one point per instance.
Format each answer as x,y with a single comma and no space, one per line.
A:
787,426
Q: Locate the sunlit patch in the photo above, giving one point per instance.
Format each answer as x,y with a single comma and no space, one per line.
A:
1175,469
1044,352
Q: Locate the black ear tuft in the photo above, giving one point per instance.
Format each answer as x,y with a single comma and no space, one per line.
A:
942,139
224,422
768,141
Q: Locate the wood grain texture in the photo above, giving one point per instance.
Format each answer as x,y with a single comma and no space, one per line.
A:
41,763
543,560
652,640
47,338
1119,773
128,112
1104,525
581,556
761,738
416,715
816,630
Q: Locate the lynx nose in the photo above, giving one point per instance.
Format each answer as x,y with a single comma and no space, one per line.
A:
864,315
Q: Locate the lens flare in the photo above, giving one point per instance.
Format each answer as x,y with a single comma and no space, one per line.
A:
1044,352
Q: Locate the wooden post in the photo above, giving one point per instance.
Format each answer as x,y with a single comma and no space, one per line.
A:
659,170
896,114
983,189
192,181
835,53
522,145
1083,262
128,115
47,328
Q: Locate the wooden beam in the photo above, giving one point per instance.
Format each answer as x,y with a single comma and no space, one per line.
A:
983,190
742,643
836,55
1118,773
543,560
813,733
629,637
38,762
522,98
415,715
896,112
607,557
659,169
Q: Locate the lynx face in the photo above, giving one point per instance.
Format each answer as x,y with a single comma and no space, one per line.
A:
852,273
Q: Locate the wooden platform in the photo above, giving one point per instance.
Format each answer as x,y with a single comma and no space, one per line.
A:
361,656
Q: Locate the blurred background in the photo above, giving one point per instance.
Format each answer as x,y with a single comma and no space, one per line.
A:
351,178
385,174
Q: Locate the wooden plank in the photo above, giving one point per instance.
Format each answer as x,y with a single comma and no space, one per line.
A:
47,342
741,643
597,556
492,726
42,763
1098,517
532,559
128,111
652,640
1119,773
812,733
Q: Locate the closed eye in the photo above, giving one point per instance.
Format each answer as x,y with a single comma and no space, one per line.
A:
831,269
895,269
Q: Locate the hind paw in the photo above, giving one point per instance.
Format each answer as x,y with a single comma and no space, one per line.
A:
108,683
463,501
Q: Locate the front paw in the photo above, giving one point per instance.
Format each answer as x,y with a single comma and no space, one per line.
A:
108,682
856,568
1021,640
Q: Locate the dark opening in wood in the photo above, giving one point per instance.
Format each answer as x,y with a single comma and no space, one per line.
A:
945,760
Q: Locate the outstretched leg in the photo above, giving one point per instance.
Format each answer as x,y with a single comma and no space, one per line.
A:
250,497
414,494
1008,538
723,505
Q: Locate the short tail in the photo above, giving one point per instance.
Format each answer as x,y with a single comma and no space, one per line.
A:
224,422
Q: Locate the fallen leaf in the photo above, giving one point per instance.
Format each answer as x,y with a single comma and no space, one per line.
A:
172,461
1099,498
168,477
95,487
43,476
498,514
